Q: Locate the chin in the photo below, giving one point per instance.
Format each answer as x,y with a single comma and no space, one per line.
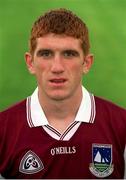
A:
59,97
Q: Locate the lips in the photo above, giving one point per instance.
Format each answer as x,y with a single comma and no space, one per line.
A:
57,81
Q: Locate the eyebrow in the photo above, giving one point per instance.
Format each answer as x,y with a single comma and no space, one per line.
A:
43,50
72,51
40,51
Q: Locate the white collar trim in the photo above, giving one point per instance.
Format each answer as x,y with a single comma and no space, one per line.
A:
36,116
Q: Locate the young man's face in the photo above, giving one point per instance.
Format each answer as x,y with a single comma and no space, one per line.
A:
58,64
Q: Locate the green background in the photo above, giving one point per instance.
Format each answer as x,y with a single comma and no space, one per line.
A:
106,20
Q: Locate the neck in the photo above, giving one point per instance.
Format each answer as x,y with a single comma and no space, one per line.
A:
61,113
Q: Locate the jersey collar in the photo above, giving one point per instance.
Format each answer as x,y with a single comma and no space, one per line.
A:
36,116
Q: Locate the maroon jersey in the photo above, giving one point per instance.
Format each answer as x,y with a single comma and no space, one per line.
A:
93,146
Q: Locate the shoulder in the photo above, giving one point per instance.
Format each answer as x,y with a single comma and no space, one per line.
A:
106,104
13,112
15,107
111,118
110,111
12,121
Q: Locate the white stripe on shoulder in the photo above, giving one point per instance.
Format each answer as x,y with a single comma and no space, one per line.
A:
28,111
93,109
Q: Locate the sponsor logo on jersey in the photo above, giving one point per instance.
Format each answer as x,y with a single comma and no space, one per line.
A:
30,163
63,150
101,165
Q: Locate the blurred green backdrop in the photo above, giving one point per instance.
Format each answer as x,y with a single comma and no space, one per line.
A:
107,27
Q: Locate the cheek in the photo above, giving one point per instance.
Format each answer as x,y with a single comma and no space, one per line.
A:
41,68
40,72
77,70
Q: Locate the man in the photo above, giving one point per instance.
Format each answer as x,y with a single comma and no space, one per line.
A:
61,130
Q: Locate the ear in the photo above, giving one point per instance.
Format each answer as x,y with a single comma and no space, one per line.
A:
29,62
88,61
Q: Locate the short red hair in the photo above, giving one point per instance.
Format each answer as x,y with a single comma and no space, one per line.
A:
60,21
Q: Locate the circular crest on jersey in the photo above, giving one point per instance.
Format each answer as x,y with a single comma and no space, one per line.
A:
30,163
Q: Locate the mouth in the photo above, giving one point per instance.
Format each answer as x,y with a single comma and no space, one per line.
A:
58,81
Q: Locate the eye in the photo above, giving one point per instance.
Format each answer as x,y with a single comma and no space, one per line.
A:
70,53
45,53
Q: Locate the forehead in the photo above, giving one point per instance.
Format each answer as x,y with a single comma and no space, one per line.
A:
58,42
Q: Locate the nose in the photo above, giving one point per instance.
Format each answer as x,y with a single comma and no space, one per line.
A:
57,65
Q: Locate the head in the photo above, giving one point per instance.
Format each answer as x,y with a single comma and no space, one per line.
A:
60,22
59,54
